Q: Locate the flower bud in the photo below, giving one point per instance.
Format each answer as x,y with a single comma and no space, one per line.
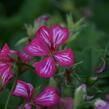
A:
79,96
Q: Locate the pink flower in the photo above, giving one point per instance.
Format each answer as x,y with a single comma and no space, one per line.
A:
65,103
43,18
5,77
5,66
46,43
48,97
24,90
100,104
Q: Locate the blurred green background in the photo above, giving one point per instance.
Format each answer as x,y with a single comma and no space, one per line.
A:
15,13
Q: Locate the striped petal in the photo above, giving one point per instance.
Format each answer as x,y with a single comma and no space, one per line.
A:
5,75
65,57
3,66
23,56
59,35
43,34
48,97
46,68
5,51
36,48
23,89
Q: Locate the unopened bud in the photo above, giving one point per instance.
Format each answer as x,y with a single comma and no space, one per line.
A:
79,96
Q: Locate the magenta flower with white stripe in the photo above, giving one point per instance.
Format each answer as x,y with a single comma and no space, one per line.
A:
48,97
5,66
24,90
46,43
5,76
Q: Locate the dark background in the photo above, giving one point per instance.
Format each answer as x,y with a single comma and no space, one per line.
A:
15,13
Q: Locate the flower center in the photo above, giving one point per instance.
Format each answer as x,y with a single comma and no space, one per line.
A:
52,51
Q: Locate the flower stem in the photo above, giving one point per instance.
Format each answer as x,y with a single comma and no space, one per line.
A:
16,69
8,99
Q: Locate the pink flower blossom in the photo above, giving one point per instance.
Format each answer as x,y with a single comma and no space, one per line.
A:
46,43
48,97
5,66
100,104
24,90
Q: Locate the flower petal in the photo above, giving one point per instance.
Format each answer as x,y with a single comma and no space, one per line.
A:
23,89
23,56
5,75
5,51
65,57
48,97
43,34
36,48
46,68
59,35
100,104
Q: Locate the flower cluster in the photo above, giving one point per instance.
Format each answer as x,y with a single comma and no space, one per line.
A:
45,44
6,64
47,98
46,54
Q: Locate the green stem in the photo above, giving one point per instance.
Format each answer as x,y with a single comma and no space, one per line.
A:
15,69
8,99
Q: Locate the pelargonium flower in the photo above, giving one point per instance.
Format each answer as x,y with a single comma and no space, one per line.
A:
48,97
5,66
46,43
